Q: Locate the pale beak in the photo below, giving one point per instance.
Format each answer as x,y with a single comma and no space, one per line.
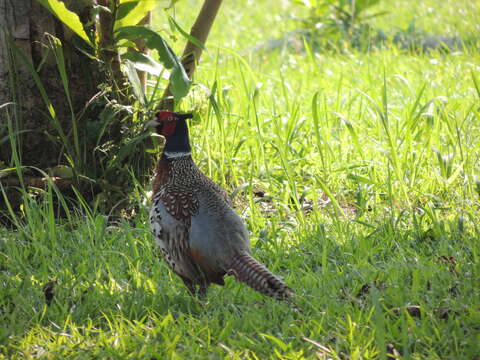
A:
153,123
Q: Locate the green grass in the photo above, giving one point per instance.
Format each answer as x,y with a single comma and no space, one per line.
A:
369,166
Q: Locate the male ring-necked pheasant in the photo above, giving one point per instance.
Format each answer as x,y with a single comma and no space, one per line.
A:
199,234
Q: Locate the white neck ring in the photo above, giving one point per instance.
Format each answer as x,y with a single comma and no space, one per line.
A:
177,154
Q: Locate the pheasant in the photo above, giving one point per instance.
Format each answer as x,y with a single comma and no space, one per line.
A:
199,234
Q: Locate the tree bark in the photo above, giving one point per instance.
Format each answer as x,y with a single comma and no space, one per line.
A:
142,75
24,25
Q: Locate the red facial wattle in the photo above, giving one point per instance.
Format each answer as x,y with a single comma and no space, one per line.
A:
168,128
167,121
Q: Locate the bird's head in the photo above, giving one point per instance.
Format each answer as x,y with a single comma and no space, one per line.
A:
165,122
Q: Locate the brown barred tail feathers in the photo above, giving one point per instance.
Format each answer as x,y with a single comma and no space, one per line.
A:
251,272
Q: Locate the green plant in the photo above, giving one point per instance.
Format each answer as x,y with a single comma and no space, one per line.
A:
333,21
100,143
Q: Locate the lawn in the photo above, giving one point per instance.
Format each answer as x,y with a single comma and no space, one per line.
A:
357,174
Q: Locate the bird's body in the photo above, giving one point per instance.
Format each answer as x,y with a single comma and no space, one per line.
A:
200,235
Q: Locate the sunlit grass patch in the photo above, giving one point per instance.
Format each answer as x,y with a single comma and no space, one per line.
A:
357,175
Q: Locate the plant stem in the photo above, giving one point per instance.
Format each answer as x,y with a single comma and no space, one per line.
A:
191,53
108,52
142,75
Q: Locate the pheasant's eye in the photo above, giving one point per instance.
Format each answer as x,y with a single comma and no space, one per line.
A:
166,116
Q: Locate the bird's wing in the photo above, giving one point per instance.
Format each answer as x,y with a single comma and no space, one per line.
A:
172,236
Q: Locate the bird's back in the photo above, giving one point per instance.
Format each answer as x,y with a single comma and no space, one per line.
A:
217,230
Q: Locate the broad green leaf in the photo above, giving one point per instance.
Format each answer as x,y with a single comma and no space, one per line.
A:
131,12
135,81
186,35
124,9
152,41
69,18
143,62
179,81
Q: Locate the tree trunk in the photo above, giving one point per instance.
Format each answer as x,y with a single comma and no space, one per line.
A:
80,115
191,53
24,25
